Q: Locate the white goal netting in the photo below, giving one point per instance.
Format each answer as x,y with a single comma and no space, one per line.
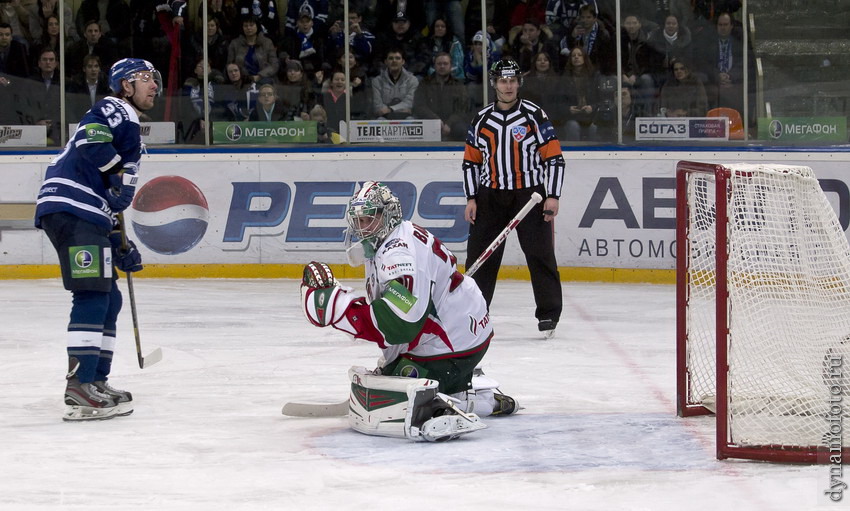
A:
788,305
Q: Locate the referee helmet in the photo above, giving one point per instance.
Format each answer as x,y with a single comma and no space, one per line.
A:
503,69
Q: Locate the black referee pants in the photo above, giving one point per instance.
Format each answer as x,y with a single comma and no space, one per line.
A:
495,208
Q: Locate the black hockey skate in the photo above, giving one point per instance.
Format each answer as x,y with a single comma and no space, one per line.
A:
83,402
505,405
547,327
122,398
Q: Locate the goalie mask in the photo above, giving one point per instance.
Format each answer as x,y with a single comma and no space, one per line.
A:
373,213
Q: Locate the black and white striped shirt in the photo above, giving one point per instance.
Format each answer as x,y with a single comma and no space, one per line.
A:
511,150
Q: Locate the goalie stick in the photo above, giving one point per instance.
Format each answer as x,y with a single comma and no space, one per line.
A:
340,409
315,410
156,355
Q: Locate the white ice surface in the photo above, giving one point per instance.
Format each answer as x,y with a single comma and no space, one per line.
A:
599,429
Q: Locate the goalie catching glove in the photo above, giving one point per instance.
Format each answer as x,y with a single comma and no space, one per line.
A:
318,275
324,301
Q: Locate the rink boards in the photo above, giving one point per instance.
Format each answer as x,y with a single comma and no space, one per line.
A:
251,214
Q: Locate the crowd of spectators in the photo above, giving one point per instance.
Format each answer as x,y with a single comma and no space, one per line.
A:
409,59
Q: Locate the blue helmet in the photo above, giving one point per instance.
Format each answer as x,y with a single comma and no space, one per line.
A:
124,69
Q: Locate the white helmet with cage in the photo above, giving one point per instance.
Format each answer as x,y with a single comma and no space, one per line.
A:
373,213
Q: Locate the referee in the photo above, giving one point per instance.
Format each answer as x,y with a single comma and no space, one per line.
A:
511,152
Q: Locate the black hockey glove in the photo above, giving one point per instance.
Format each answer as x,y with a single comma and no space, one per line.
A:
127,260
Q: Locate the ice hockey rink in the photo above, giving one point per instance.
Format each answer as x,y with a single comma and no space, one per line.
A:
599,430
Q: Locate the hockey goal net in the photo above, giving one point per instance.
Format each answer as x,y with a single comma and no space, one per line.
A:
763,310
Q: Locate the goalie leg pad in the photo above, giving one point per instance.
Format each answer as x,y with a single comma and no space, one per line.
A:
404,408
384,405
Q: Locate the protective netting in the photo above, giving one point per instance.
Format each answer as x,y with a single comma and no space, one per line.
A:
789,304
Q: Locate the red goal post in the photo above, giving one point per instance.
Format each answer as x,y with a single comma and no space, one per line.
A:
763,311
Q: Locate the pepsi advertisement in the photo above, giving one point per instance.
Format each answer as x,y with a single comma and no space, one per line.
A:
264,212
242,209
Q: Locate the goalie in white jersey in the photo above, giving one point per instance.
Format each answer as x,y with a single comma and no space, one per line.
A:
430,321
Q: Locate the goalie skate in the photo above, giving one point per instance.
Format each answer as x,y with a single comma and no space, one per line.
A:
452,424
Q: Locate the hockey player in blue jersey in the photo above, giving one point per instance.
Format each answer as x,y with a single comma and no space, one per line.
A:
85,187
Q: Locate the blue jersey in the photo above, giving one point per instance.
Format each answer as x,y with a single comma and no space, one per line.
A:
75,181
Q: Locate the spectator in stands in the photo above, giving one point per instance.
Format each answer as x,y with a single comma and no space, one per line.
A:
451,12
672,40
235,98
14,68
265,15
442,96
92,43
498,20
706,13
722,57
12,90
472,67
192,88
13,13
316,9
323,133
296,92
386,11
41,11
216,43
268,107
226,14
254,53
581,91
333,100
86,89
528,41
393,90
638,57
441,40
523,10
49,38
365,8
545,87
43,96
628,114
361,41
13,54
561,14
356,72
305,45
653,12
403,38
684,94
148,39
590,34
115,23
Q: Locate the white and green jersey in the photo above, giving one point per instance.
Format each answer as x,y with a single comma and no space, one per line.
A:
419,302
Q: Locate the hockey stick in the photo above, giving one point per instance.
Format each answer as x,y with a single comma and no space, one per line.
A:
340,409
535,199
156,355
315,410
